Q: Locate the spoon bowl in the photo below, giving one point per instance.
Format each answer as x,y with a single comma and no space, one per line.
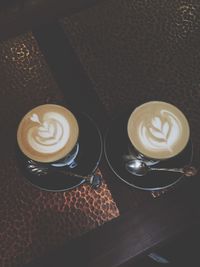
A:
137,167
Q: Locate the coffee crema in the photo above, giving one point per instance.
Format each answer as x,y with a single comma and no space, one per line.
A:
158,130
47,133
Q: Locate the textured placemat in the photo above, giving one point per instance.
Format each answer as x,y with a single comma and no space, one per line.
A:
33,222
137,51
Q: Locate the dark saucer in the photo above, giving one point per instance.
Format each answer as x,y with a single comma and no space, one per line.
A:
116,144
88,158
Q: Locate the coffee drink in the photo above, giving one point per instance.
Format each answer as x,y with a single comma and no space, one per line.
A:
47,133
158,130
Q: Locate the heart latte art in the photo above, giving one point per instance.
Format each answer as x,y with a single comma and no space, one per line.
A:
158,130
47,133
50,133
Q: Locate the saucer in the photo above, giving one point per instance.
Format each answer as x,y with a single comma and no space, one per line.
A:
87,160
116,146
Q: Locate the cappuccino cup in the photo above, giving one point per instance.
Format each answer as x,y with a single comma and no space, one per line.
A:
49,134
157,131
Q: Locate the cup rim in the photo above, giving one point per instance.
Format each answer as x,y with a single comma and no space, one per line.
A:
151,157
64,151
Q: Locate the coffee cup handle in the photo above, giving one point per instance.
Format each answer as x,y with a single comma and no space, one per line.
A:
73,164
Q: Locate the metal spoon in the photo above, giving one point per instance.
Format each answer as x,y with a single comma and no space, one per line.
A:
94,179
139,168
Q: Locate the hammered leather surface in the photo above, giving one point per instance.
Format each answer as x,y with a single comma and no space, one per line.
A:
138,50
34,222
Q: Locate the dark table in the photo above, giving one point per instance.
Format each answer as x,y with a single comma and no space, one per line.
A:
145,222
17,16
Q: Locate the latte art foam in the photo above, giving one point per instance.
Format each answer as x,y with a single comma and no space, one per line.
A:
158,130
47,133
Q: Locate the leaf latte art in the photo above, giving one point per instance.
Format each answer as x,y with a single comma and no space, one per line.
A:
158,130
47,133
50,134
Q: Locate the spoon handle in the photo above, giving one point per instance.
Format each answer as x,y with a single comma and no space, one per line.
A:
169,170
95,180
66,172
187,170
